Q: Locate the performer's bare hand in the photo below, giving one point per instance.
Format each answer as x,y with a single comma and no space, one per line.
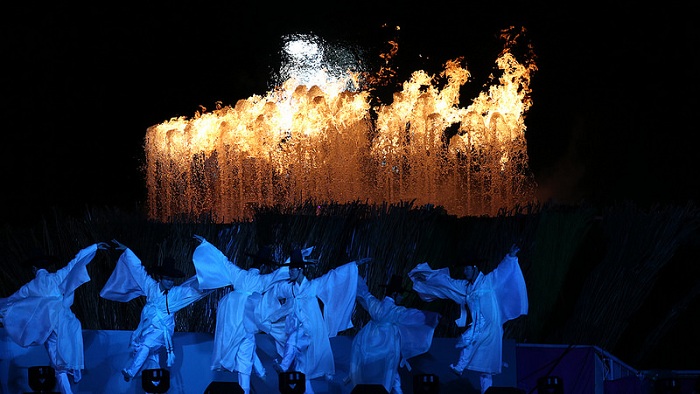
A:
514,249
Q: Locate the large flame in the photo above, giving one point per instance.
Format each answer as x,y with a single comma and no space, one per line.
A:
323,141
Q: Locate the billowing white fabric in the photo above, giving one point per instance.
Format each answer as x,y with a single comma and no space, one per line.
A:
337,290
130,280
393,333
238,311
492,300
43,306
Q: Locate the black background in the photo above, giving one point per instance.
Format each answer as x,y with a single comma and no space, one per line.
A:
614,99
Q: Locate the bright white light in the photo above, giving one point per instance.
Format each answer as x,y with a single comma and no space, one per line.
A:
310,60
300,49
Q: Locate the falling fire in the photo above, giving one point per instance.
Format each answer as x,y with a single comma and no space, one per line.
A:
323,141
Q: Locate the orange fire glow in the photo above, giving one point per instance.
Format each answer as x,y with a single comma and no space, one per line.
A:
327,143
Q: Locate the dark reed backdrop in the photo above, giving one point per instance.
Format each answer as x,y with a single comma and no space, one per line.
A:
623,278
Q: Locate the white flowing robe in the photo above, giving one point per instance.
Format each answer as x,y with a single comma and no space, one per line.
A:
157,326
43,306
305,320
238,312
492,299
393,335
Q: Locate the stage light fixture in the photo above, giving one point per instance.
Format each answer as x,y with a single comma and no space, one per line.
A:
369,389
156,381
667,386
42,378
504,390
426,384
550,385
224,388
292,382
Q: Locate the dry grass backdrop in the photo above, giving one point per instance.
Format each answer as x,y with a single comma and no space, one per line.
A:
623,278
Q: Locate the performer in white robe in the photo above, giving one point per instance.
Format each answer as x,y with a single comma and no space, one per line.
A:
163,299
392,336
39,313
308,330
492,299
238,311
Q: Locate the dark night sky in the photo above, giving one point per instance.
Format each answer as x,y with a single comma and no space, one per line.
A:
614,98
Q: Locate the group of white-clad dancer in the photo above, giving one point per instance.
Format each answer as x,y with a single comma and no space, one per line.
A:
276,298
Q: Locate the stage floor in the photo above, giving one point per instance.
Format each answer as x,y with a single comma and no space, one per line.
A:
582,369
106,353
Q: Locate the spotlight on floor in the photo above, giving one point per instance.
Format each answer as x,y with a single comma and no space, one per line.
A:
292,382
42,378
426,384
156,381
